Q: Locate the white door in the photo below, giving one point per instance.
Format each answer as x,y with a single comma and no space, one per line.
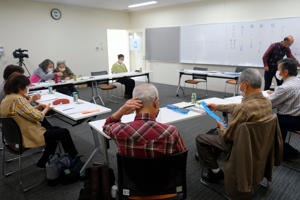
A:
137,52
117,43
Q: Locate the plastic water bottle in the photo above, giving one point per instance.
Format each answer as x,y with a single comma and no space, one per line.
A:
114,190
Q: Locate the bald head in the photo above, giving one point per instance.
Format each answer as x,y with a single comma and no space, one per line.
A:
288,41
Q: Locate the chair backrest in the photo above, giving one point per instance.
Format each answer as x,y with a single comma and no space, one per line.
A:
257,147
11,133
98,74
196,76
152,176
240,69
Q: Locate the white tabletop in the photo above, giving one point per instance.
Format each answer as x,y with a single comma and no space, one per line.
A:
238,99
87,79
224,74
215,100
75,112
211,73
168,116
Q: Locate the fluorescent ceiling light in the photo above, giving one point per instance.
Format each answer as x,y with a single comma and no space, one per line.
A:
142,4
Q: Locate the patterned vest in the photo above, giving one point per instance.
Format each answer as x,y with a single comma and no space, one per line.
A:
277,54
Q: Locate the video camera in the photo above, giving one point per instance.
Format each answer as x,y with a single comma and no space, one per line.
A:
18,53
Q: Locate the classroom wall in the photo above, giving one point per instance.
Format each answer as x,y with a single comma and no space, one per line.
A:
204,12
28,25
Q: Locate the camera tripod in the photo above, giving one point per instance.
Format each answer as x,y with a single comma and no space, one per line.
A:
21,63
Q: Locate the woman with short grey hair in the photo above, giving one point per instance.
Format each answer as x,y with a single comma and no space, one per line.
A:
67,74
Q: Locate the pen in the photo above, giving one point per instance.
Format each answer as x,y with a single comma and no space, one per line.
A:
68,109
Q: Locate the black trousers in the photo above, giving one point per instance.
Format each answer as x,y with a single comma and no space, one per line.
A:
269,76
129,85
54,134
287,122
66,89
45,123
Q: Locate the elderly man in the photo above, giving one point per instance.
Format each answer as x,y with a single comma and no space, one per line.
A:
254,108
144,137
67,75
275,53
287,100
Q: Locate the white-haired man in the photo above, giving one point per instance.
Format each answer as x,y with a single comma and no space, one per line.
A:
254,108
144,137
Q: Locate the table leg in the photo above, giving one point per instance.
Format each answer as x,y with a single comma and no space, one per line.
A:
96,150
104,150
93,94
98,96
148,77
179,86
236,88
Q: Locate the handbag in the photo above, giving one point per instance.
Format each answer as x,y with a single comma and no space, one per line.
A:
53,167
71,173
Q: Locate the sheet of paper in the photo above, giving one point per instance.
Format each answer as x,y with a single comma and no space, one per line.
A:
70,109
48,97
183,104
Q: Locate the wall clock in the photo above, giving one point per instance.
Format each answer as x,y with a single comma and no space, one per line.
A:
55,14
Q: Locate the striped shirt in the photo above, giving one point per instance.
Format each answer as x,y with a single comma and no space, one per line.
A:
144,137
287,97
254,108
22,107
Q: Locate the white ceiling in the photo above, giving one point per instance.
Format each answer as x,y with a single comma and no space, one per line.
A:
120,5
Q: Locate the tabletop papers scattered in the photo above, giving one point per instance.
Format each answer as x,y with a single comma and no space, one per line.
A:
90,111
47,97
183,104
197,110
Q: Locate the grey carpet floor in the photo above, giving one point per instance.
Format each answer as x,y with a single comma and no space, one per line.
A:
285,185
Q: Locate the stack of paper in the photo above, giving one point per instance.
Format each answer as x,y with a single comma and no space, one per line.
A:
183,104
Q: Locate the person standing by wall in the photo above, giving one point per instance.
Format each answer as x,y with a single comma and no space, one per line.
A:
275,53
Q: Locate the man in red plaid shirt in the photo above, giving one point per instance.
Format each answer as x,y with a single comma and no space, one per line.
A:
144,137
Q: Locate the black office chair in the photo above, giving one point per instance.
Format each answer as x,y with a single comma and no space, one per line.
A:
12,142
198,78
107,87
152,178
234,82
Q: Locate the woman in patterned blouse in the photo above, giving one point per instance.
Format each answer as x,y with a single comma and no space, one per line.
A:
28,118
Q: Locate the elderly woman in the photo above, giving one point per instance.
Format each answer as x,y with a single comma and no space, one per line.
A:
28,118
67,74
44,72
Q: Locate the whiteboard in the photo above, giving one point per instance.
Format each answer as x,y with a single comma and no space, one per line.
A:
236,43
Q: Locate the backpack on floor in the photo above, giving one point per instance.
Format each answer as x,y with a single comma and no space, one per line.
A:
97,184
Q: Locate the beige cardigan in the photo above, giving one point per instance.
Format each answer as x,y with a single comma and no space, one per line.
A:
32,134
